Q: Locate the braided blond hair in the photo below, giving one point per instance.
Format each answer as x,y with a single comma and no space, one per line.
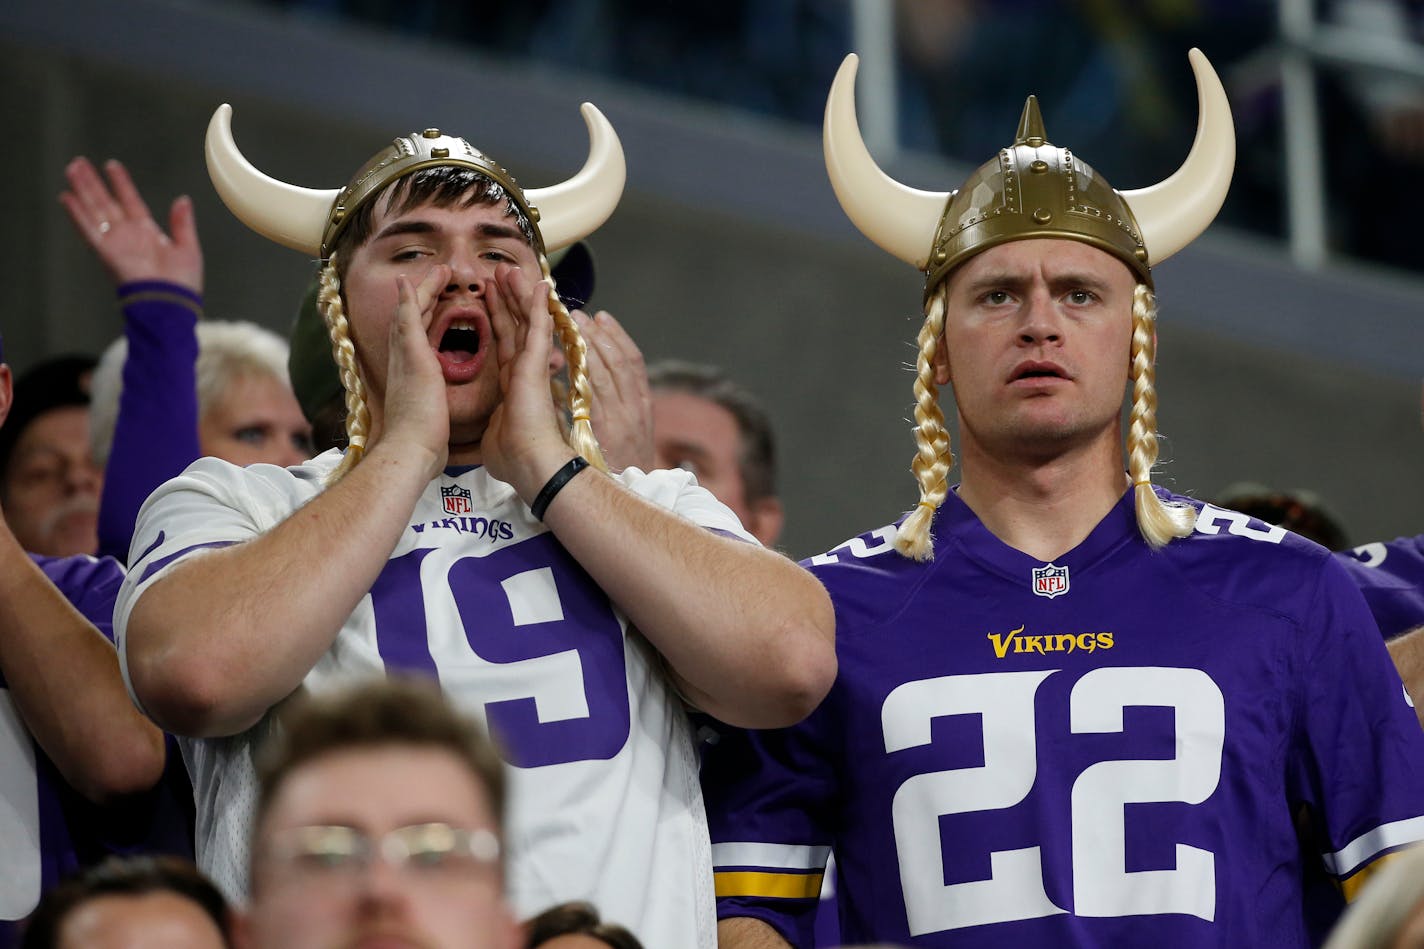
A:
581,434
1158,521
933,457
358,416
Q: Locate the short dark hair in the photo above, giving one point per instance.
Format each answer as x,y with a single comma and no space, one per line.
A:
757,457
444,186
138,875
399,710
577,917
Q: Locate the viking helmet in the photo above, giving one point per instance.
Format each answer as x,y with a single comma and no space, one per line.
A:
1031,189
309,220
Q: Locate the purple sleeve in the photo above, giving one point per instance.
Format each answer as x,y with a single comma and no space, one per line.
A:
1391,576
91,584
768,797
156,435
1360,763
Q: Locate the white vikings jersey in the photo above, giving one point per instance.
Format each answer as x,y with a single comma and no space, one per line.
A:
604,796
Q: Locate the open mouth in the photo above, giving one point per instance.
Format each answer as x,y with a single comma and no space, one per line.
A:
460,343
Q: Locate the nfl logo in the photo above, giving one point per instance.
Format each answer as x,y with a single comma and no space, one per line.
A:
456,500
1050,581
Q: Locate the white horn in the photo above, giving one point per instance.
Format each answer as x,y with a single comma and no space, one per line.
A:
901,220
1173,212
291,216
571,211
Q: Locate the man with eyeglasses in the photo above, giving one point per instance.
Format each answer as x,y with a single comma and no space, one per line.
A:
378,822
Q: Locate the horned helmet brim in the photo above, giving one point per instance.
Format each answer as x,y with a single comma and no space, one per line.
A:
308,219
1143,227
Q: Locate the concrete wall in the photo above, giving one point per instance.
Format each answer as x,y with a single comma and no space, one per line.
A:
727,248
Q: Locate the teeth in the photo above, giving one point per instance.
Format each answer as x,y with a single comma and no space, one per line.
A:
462,324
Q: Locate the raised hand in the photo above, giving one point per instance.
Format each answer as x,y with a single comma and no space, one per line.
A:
114,220
524,441
414,411
622,402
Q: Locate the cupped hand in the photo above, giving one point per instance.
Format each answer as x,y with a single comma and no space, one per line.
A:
622,414
114,220
415,413
524,442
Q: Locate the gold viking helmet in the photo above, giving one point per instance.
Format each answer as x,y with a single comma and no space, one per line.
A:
1032,189
308,220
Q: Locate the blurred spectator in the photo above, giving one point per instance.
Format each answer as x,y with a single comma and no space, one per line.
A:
140,902
379,817
1298,510
576,925
706,423
246,411
49,486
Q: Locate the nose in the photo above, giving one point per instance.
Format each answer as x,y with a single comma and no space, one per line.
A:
82,476
1042,323
382,888
468,274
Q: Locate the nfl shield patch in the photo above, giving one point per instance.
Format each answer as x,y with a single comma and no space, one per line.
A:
1050,581
456,500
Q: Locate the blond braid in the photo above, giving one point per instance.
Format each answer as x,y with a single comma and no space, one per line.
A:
580,400
933,457
358,416
1158,521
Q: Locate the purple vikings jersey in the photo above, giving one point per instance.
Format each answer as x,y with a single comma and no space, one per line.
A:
46,830
604,802
1391,576
1109,750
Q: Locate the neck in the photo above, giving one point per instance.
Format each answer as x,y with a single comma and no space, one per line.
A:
1043,505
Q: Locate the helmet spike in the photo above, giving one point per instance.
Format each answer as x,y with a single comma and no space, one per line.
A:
1031,131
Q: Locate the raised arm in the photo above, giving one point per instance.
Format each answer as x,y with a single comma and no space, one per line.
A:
227,634
747,634
159,280
64,678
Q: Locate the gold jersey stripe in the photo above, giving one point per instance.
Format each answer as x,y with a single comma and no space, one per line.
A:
1365,874
786,886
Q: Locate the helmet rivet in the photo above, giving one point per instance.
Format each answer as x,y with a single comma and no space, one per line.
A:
1033,141
440,153
941,256
430,133
1042,216
1140,253
1038,166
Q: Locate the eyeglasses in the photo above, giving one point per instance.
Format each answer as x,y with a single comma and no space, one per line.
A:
337,852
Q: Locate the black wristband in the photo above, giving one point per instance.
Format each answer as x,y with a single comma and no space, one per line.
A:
563,476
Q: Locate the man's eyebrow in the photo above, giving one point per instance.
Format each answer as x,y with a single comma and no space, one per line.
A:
418,226
405,226
489,229
994,280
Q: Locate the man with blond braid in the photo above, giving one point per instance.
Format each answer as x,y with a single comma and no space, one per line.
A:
1072,709
462,535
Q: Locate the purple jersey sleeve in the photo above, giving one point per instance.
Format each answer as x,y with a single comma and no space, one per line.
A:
156,435
1391,577
1357,720
770,807
90,583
